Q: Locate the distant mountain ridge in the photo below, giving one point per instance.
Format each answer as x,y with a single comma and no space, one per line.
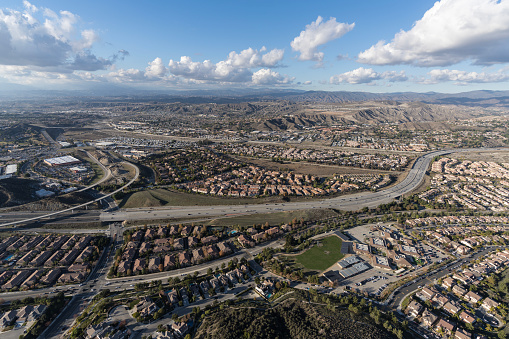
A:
468,98
246,94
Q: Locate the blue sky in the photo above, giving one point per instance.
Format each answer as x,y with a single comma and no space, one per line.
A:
376,46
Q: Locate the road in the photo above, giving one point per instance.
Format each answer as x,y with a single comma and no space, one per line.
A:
97,279
97,282
432,278
71,209
349,202
106,171
49,138
75,216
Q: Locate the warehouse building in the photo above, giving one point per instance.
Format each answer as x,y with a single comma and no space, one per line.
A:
62,161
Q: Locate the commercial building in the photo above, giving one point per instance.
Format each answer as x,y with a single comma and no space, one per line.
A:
11,169
62,161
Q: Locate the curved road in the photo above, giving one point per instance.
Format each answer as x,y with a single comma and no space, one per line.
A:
71,209
106,176
350,202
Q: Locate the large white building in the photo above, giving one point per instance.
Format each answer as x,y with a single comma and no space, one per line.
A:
11,169
62,161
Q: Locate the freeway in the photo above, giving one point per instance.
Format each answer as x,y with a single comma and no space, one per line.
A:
349,202
76,216
71,209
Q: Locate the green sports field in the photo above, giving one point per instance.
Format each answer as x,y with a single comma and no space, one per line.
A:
321,256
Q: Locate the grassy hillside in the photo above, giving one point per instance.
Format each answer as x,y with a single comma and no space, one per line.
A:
161,197
274,218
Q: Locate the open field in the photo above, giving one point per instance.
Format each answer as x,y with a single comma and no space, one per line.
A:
323,255
161,197
85,133
273,218
496,155
310,168
318,258
15,191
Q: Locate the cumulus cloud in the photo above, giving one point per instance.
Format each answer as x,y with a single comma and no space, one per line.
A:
44,38
155,71
126,75
28,75
363,75
250,58
236,68
450,32
29,7
464,77
317,34
86,61
266,76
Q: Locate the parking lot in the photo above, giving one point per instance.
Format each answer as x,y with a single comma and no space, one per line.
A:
365,281
360,233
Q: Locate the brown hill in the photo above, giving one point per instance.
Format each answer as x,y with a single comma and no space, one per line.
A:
413,114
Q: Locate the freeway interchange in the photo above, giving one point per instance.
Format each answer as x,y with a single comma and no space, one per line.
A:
350,202
97,279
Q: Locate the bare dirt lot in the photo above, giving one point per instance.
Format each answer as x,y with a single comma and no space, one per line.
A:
308,168
496,155
85,134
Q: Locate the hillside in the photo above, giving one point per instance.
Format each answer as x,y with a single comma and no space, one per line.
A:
411,112
370,112
291,319
473,98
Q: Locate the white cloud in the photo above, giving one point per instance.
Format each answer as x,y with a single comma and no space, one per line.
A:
126,75
37,76
266,76
272,58
250,58
29,7
156,69
43,38
450,32
317,34
363,75
463,77
236,68
88,38
394,76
